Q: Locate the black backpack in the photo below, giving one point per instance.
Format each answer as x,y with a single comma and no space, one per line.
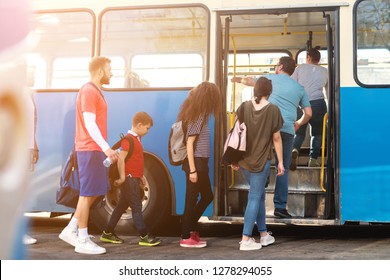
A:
113,173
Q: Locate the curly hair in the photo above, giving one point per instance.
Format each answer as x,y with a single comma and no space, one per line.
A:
203,100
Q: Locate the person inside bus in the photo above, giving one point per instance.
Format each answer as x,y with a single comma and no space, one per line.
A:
91,149
202,101
263,121
288,95
130,182
314,78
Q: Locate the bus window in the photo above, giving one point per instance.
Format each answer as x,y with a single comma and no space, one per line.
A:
36,71
248,64
323,61
163,47
65,44
158,70
372,55
70,72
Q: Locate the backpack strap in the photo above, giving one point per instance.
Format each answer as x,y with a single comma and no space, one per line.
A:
131,145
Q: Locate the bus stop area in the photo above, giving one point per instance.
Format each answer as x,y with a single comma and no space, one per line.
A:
349,242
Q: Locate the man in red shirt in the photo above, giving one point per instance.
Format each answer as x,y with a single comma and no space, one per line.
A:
91,149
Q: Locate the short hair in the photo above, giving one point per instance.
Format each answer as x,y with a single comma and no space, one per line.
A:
143,118
98,62
263,87
288,64
314,54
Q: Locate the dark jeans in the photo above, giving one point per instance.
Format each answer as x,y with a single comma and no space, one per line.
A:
316,122
130,196
195,207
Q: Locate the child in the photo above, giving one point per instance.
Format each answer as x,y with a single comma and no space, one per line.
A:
202,102
130,182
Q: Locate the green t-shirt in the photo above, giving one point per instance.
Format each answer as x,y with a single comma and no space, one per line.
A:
261,125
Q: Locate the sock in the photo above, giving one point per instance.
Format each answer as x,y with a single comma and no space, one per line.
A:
83,233
73,224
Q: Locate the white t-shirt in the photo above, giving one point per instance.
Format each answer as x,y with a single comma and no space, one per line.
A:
314,78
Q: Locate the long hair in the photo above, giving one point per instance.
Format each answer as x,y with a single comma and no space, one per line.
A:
263,87
202,101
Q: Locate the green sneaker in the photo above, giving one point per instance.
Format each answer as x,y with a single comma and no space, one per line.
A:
110,238
313,163
148,240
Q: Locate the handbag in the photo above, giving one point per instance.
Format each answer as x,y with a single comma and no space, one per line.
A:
235,144
69,188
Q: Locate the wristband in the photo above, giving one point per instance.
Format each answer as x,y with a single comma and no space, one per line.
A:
193,172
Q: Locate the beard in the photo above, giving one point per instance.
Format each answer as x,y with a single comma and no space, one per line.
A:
105,80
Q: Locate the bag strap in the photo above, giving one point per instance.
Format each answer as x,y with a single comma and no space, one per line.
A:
131,145
241,116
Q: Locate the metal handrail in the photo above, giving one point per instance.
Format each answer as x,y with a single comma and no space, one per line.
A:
323,152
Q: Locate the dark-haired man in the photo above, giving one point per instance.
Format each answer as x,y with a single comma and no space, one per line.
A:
314,78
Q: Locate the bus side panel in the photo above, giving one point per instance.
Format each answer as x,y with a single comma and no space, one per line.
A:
56,120
163,107
55,139
364,157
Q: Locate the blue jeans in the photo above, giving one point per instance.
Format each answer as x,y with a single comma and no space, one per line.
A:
255,209
316,122
281,183
130,196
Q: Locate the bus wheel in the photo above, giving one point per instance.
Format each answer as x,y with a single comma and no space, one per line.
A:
156,202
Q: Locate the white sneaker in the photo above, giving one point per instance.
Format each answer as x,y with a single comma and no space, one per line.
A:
69,236
28,240
87,246
267,240
249,245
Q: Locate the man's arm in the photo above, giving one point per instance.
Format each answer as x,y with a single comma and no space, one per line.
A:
94,132
248,81
307,113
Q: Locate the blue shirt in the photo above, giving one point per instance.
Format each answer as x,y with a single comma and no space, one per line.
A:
287,94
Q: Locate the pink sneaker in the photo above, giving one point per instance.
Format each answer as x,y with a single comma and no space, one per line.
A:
191,243
195,235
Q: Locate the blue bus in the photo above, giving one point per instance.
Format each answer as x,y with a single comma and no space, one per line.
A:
159,51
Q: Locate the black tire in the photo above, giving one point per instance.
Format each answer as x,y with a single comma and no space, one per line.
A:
156,203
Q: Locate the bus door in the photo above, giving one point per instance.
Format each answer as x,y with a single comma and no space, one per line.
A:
253,42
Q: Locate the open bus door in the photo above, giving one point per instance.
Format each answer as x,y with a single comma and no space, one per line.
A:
252,36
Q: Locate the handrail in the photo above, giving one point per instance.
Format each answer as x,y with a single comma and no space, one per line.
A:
232,114
323,152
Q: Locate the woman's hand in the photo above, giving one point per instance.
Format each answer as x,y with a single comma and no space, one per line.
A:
235,167
280,169
119,182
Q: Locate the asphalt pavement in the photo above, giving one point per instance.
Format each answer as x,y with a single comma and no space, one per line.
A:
349,242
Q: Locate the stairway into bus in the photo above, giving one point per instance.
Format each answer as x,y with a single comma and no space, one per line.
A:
306,197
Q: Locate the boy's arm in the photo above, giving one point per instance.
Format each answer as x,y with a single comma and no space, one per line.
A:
121,168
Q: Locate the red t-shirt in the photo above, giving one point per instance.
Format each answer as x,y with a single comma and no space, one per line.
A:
90,99
134,165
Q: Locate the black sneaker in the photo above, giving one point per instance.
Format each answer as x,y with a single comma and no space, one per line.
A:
148,240
110,238
294,160
282,213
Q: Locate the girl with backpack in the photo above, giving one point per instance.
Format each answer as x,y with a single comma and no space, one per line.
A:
203,101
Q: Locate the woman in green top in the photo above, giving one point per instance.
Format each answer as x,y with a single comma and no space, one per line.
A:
263,121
